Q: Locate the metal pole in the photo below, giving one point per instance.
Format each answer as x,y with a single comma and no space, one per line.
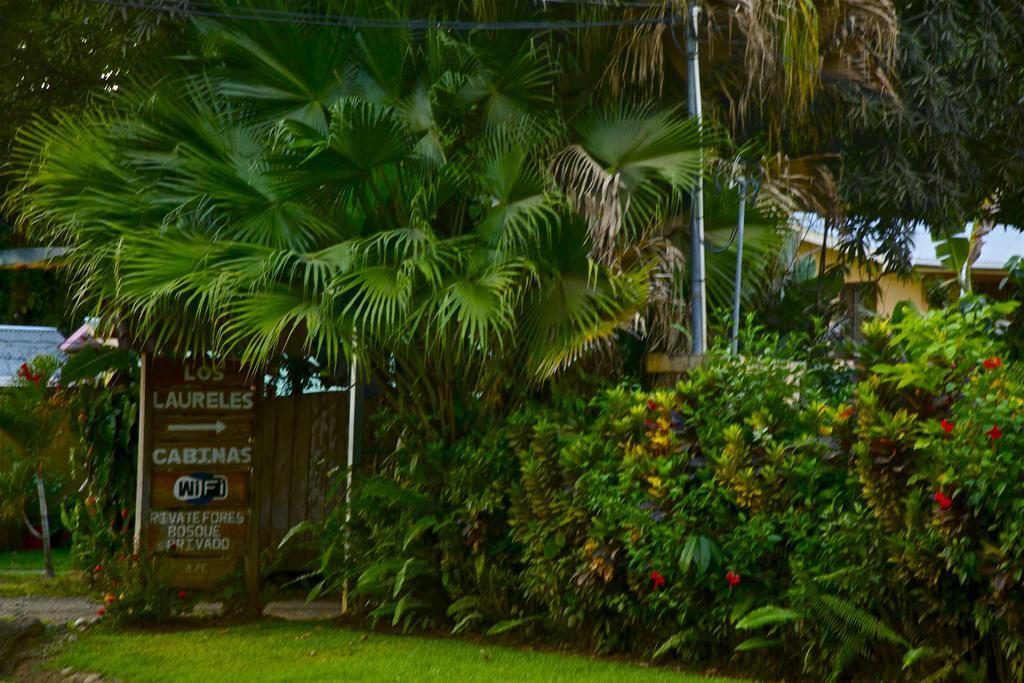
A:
734,347
350,464
698,297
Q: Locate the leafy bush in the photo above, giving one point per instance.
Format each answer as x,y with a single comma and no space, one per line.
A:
759,513
103,414
137,588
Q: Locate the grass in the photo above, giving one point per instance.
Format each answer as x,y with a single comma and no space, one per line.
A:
21,573
273,650
18,561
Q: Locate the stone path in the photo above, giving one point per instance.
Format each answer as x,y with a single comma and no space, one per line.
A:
57,610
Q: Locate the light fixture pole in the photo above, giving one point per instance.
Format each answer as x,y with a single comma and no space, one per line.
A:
698,296
735,342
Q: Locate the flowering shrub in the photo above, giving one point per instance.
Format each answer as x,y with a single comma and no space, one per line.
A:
752,514
136,588
102,414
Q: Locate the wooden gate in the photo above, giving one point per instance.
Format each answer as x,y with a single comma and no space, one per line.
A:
303,441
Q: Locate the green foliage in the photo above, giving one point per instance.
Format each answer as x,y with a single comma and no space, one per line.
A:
452,211
102,412
31,413
1013,285
137,589
754,512
931,155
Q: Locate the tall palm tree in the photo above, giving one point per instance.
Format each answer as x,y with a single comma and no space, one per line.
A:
445,207
342,193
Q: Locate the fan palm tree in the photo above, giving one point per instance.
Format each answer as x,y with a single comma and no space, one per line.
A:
433,204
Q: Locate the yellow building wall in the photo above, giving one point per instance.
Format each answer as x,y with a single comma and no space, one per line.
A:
892,289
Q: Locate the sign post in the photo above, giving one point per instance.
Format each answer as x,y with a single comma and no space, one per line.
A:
197,471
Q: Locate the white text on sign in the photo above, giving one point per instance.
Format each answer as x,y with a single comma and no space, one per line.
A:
198,531
203,374
212,455
202,400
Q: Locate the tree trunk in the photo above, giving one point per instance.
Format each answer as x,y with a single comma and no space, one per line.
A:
28,525
44,519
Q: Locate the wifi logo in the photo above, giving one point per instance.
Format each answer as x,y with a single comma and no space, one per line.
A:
200,488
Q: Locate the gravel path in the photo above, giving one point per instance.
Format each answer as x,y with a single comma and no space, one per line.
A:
62,610
48,609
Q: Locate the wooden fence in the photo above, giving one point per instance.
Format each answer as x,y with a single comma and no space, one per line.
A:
303,440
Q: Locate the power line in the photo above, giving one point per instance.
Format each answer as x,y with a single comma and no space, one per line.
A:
611,4
346,21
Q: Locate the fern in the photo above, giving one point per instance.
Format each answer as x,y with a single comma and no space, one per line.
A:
860,621
846,629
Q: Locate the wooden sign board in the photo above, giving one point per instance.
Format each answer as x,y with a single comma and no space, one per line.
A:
199,572
199,488
199,532
198,466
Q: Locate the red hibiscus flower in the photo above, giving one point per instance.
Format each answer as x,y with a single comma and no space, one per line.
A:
101,611
995,432
846,412
182,595
98,569
651,405
992,363
944,501
947,426
657,579
732,578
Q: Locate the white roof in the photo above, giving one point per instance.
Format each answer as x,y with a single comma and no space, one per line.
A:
1002,243
21,344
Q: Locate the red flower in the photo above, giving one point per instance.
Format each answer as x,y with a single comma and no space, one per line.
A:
98,569
732,578
993,362
101,611
109,599
944,501
657,579
650,424
947,426
995,432
651,405
846,412
124,513
23,371
182,595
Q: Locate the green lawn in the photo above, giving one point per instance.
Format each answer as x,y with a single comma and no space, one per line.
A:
291,651
32,561
21,573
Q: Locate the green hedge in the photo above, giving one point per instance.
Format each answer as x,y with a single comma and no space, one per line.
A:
760,514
